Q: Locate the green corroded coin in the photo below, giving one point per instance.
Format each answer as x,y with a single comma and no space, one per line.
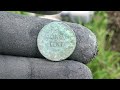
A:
56,41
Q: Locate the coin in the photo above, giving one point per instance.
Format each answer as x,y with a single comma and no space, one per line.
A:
56,41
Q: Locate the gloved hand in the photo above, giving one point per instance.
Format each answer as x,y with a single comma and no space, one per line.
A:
12,67
18,36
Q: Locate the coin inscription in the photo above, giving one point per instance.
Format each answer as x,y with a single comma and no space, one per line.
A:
56,41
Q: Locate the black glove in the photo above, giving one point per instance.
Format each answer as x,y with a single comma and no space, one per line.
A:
12,67
18,37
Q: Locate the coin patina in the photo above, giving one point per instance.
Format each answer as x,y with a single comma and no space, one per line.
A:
56,41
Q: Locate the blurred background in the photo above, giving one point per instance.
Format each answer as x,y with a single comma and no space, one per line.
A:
105,25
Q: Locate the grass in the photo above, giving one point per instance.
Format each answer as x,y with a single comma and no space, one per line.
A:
106,65
20,12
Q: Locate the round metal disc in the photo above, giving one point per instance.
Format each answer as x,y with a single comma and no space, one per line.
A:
56,41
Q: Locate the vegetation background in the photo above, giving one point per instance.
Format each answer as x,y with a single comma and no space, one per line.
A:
106,65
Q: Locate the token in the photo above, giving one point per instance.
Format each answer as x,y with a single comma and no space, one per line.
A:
56,41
